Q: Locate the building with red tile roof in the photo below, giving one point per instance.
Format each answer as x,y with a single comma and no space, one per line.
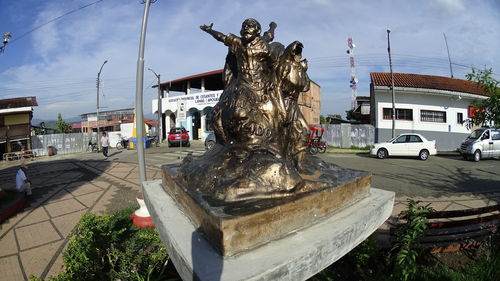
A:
433,106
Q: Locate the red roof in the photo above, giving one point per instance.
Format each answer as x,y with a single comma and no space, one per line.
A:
18,102
213,81
194,76
150,122
427,82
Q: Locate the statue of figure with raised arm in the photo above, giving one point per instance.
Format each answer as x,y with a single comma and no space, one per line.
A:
260,131
257,184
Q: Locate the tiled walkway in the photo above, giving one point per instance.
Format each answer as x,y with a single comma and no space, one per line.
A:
32,241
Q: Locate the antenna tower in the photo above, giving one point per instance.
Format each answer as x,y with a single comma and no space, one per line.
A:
354,78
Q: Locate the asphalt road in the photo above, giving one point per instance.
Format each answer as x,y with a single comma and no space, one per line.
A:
437,176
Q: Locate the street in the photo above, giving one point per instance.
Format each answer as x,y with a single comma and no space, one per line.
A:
438,176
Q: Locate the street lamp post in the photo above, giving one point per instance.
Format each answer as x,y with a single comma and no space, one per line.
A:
159,126
392,85
99,82
138,95
6,39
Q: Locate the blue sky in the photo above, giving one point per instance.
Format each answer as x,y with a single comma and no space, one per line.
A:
58,62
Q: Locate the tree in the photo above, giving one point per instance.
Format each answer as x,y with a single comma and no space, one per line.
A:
349,114
41,129
328,119
61,125
487,111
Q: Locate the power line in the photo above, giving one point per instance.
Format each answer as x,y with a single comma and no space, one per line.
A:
53,20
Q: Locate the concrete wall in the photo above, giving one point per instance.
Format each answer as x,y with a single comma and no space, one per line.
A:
445,141
63,143
347,135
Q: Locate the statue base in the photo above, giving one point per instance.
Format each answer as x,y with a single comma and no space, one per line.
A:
297,256
236,227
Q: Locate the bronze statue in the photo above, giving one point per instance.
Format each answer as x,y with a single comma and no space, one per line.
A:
258,108
260,130
257,184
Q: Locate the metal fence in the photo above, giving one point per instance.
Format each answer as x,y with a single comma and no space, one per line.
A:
62,143
347,135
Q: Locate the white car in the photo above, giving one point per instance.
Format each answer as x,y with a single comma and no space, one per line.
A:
405,145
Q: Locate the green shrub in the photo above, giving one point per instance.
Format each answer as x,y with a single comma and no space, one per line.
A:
109,247
407,239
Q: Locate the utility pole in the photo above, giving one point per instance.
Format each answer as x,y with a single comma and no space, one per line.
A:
448,50
98,83
354,78
160,119
392,86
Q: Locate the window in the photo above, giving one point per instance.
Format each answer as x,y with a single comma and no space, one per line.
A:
495,135
460,118
401,114
401,139
414,138
433,116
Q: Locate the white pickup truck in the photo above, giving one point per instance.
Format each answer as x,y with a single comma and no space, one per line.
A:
480,144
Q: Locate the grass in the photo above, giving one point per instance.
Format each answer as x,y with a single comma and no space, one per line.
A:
352,150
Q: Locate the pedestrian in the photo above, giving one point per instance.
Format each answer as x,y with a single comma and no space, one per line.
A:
23,184
105,144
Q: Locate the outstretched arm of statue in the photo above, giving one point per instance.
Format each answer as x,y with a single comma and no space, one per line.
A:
216,34
269,35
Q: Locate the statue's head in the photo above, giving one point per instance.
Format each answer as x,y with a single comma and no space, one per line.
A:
250,29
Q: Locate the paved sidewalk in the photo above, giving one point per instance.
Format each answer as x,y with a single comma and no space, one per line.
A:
31,242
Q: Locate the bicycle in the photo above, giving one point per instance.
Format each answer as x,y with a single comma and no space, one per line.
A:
123,143
154,141
92,147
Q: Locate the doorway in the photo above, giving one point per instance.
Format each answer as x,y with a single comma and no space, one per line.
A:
196,125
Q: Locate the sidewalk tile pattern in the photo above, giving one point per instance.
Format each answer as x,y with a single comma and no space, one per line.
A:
32,241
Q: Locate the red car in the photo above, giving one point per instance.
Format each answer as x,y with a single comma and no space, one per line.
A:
178,135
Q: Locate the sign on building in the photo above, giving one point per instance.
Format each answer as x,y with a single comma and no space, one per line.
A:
181,111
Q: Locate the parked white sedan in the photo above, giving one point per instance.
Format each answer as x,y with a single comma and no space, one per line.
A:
405,145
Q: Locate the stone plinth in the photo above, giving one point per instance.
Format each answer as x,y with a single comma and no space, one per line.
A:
236,227
297,256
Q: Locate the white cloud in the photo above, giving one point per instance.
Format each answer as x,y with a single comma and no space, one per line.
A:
60,61
451,6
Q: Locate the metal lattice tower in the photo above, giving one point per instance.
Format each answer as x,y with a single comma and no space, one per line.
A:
354,78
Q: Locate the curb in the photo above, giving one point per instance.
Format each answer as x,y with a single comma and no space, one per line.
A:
13,208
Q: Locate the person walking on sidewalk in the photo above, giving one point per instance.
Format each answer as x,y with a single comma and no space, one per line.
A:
105,144
23,184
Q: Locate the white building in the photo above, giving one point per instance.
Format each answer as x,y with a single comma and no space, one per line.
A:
433,106
201,92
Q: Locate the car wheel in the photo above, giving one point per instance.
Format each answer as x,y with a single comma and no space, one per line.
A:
188,144
209,145
382,153
477,156
169,144
424,154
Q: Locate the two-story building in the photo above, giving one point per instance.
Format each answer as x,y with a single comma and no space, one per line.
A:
433,106
201,92
15,123
109,120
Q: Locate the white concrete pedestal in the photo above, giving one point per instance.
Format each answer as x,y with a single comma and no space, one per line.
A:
298,256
